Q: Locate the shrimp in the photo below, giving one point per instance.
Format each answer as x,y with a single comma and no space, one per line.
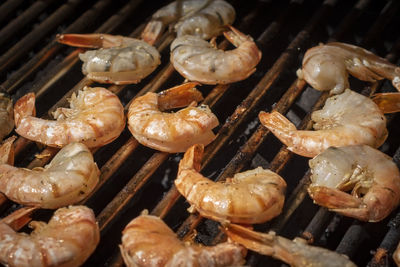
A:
67,179
148,241
95,118
68,239
202,18
198,60
372,177
326,67
295,252
254,196
6,116
171,132
346,119
121,60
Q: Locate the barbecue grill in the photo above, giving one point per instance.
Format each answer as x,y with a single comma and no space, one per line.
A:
134,177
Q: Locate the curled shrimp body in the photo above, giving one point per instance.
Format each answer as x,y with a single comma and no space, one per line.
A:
120,60
326,67
295,252
148,241
202,18
67,240
371,176
198,60
67,179
254,196
346,119
95,118
171,132
6,116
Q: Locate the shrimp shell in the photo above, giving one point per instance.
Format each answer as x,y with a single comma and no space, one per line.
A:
326,67
371,176
95,118
254,196
170,132
198,60
202,18
148,241
346,119
69,238
67,179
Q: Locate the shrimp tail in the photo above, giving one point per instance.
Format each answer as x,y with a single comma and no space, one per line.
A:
387,102
192,158
279,125
19,218
7,151
236,37
94,40
24,107
153,31
343,203
179,96
333,198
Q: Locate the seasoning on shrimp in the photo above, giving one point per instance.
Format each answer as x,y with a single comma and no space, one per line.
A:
67,179
326,67
67,240
371,176
148,241
120,60
171,132
95,118
296,253
253,196
346,119
202,18
198,60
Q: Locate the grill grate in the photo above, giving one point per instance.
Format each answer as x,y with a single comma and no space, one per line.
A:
134,177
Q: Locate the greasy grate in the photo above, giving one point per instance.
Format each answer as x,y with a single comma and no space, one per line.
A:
134,177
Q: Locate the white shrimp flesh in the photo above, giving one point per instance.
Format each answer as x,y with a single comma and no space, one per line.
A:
346,119
67,179
356,181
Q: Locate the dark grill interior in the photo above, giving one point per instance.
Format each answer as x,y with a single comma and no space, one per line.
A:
134,177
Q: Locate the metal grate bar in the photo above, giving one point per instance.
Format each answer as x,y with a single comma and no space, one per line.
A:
32,38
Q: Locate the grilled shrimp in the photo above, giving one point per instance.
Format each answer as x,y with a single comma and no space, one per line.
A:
95,118
171,132
120,60
346,119
148,241
202,18
295,252
198,60
67,179
326,67
249,197
371,175
6,116
68,239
